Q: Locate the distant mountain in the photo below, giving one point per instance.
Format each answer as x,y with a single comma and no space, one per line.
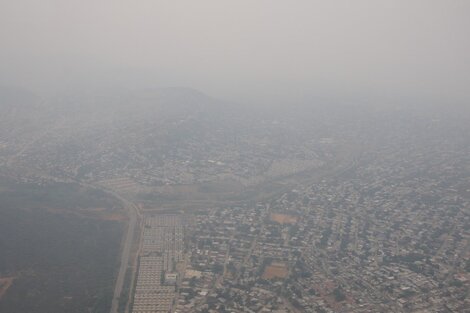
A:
139,104
174,100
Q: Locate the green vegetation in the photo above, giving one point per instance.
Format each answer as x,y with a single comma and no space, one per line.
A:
339,295
62,262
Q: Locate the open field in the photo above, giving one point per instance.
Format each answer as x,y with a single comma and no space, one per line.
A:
104,214
283,218
65,255
5,283
275,270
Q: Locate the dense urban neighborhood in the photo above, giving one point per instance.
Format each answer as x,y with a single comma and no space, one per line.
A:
334,211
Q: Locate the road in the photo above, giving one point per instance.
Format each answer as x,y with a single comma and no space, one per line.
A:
132,211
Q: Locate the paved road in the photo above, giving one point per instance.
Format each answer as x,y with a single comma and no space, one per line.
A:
126,250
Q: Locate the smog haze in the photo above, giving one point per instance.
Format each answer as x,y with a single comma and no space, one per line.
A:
245,51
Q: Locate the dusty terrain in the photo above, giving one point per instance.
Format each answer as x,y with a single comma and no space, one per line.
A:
283,218
275,270
5,283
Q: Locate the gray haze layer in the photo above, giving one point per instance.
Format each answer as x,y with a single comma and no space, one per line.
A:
264,51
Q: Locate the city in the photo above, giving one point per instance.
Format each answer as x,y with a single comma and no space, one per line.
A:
370,217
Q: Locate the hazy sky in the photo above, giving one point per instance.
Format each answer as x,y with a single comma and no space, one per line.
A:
244,49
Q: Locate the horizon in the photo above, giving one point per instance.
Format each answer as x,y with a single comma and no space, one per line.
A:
254,52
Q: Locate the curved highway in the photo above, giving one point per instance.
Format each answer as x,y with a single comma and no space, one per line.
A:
132,211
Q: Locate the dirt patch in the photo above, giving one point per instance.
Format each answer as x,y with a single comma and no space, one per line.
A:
114,217
5,283
103,214
95,213
283,218
275,270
